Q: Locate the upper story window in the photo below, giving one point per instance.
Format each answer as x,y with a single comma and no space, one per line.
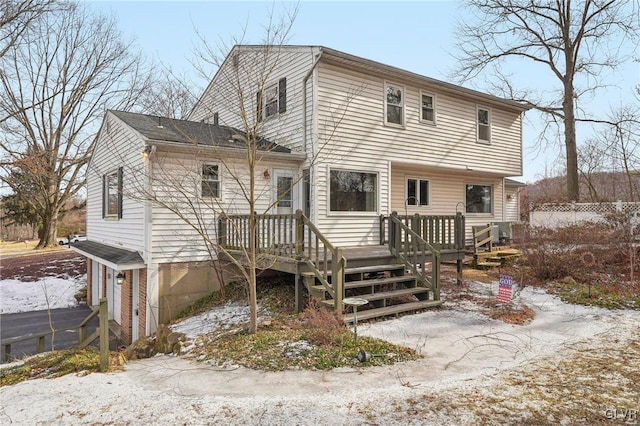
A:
394,104
427,108
112,194
272,100
353,191
210,180
417,192
484,125
479,199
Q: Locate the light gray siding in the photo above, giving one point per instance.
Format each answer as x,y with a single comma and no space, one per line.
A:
117,146
183,220
232,93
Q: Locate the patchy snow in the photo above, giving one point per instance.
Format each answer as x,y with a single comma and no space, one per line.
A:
465,353
46,293
231,314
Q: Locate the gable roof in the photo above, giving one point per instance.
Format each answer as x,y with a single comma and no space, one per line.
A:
164,129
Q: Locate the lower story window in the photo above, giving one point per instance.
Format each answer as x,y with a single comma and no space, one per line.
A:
417,192
353,191
210,181
479,199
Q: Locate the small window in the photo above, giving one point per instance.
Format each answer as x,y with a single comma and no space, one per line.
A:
285,191
417,192
210,181
428,108
479,199
353,191
112,194
394,104
484,125
272,100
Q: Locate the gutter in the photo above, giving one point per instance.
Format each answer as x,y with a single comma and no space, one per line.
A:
236,152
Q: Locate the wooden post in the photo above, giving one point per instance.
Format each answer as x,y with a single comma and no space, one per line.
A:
299,236
7,352
298,293
382,232
337,278
435,276
40,344
104,334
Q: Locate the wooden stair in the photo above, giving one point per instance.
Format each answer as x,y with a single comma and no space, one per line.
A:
387,287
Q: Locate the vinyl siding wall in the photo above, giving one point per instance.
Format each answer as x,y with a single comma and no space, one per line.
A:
350,126
118,146
221,96
177,183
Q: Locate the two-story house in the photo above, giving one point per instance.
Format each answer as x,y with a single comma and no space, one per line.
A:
347,141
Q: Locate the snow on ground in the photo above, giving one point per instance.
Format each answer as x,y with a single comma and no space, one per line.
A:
464,353
46,293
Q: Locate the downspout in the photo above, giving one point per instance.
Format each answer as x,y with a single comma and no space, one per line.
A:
148,240
304,131
304,99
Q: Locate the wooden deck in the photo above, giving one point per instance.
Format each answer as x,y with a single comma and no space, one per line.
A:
400,274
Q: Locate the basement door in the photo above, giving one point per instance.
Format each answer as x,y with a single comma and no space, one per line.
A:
114,296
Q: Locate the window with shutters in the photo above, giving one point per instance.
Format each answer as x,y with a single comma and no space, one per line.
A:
112,194
272,100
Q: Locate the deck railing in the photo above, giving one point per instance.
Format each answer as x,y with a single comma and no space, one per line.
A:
415,252
442,232
83,340
291,236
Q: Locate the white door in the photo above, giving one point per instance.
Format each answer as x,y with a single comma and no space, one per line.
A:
114,296
284,191
135,300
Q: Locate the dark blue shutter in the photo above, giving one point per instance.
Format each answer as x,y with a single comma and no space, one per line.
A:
120,192
104,195
259,106
282,95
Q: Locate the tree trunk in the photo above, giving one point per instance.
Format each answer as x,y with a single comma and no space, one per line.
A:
573,188
48,232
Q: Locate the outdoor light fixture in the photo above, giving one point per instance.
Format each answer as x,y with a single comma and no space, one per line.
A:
266,174
120,278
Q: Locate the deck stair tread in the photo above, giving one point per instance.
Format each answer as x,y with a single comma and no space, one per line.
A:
364,269
385,295
378,281
393,309
489,263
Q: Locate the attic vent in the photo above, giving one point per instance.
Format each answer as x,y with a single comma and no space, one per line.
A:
215,119
235,60
160,126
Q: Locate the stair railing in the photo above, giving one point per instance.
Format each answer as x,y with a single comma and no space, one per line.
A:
410,248
317,251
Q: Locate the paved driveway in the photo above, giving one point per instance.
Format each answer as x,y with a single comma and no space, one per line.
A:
20,324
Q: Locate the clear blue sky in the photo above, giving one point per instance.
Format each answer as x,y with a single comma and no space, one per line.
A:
418,36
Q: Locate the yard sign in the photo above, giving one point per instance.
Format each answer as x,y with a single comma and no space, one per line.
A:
504,289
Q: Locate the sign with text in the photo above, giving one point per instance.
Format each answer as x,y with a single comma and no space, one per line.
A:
505,288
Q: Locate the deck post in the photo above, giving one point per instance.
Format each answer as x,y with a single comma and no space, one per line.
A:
435,278
104,335
299,235
298,293
40,344
337,278
394,235
222,230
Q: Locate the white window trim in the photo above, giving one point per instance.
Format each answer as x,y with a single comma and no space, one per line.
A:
483,141
105,197
207,163
264,100
275,172
435,108
493,199
404,108
406,190
352,214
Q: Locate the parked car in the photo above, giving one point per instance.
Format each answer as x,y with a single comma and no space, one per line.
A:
74,239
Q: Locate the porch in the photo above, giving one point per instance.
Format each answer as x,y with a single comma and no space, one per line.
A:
401,273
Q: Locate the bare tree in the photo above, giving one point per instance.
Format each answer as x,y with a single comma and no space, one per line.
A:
71,65
18,15
168,95
573,41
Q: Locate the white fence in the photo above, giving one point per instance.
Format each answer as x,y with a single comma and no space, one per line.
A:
556,215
